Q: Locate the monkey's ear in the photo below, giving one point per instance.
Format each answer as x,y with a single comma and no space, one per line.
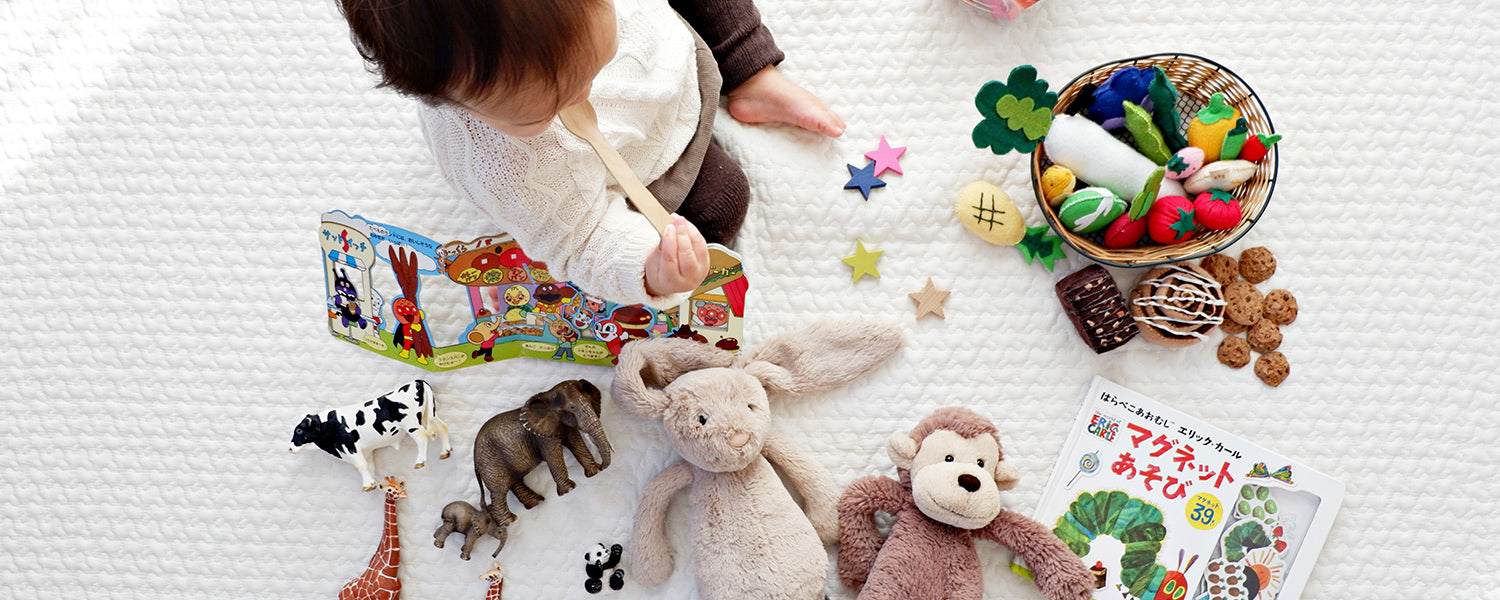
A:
1006,476
903,450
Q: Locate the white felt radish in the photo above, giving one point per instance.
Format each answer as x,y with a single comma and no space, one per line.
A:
1095,156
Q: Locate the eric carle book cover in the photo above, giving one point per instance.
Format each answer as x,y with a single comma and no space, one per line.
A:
1163,506
462,303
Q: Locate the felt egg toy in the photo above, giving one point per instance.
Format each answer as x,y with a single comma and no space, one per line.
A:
1209,127
1057,184
1185,163
986,211
1097,157
1257,146
1130,84
1223,175
1090,209
1124,232
1171,220
1216,210
1145,133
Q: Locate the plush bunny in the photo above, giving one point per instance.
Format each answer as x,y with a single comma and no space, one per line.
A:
750,539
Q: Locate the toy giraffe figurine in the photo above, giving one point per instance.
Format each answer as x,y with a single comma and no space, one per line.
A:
496,577
381,580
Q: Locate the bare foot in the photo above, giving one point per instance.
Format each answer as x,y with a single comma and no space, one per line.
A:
769,97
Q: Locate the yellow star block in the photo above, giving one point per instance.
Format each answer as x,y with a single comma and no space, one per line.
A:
930,300
863,261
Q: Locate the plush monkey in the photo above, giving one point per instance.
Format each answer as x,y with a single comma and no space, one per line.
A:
952,471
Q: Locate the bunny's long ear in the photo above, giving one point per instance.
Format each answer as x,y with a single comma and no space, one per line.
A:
648,366
827,354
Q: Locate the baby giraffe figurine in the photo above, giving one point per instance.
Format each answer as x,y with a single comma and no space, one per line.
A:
749,537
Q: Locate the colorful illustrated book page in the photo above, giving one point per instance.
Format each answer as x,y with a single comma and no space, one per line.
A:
448,306
1163,506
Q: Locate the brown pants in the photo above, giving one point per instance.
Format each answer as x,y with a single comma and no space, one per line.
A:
742,46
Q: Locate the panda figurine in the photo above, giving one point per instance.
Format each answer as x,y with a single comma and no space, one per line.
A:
600,561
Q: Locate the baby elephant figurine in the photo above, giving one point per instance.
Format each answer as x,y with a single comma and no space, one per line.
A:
473,523
750,539
512,443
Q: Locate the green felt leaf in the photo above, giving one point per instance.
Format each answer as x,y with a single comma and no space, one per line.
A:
1141,203
1176,164
1147,136
1023,82
1184,224
1017,113
1217,110
1040,244
1221,196
989,94
1266,141
1022,115
1164,97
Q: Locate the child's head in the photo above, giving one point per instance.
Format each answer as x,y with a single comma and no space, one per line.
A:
512,63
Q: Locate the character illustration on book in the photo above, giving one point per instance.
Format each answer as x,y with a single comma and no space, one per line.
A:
1120,534
409,334
517,303
346,301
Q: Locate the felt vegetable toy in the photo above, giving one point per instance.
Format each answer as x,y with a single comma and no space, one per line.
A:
1164,97
1185,163
749,537
1124,232
1057,184
988,212
951,471
1148,138
1090,209
1131,84
1207,130
1257,146
1234,141
1171,220
1216,210
1095,156
1223,175
1017,113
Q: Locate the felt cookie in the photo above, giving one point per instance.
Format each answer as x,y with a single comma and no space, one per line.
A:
1170,220
1257,264
1130,84
1210,125
1216,210
1057,184
1272,368
1145,133
1164,97
1280,307
1244,303
1234,352
986,211
1095,156
1177,305
1231,327
1224,269
1090,209
1264,336
1096,308
1185,163
1223,175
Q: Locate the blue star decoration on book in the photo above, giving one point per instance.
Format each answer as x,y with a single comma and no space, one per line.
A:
863,179
1041,244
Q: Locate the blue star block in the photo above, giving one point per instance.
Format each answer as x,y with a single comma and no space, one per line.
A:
863,180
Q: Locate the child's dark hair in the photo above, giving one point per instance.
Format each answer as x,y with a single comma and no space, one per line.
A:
442,50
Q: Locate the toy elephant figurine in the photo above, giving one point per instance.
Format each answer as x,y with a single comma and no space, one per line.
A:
749,537
462,517
511,444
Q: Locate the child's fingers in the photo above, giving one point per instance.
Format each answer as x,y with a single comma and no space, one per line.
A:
669,250
687,262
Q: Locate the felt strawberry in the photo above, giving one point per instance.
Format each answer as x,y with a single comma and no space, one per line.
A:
1171,220
1257,146
1124,232
1216,210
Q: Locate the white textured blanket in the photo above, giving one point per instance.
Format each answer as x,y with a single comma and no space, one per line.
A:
163,165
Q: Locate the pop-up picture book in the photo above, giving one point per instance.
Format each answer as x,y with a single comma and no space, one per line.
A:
447,306
1162,506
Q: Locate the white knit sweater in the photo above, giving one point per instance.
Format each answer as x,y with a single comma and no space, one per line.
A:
550,191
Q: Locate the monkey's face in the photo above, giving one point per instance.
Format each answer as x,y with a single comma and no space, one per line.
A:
953,479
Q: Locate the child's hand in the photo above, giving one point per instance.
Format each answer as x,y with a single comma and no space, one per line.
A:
680,263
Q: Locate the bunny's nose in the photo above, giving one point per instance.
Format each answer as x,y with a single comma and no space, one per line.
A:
739,440
968,482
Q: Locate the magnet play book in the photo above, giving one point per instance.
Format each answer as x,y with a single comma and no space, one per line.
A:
461,303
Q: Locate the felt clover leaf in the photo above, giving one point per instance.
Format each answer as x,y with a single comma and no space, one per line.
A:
1041,244
1218,109
1017,113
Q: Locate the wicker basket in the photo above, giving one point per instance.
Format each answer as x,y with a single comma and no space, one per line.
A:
1198,79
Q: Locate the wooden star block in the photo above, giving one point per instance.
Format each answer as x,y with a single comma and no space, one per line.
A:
930,300
863,261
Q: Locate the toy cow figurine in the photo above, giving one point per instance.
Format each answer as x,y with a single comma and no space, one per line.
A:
352,433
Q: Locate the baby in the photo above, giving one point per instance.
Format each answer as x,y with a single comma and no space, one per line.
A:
493,75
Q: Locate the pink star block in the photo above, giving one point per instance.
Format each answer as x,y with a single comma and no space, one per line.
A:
886,158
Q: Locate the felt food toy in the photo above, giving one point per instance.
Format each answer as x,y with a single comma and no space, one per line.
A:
1124,232
1223,175
1257,146
1016,113
1148,138
750,539
1057,184
1164,97
1185,163
1216,210
1177,305
1234,141
1171,220
951,470
1130,84
1096,308
986,211
1090,209
1208,128
1095,156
